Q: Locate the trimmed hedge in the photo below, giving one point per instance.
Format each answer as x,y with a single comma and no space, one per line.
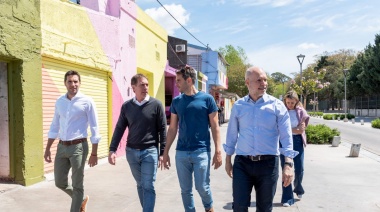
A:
375,123
315,114
320,134
335,116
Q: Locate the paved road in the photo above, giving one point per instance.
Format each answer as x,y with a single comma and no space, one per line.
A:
355,133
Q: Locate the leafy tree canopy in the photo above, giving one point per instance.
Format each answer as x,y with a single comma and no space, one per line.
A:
237,60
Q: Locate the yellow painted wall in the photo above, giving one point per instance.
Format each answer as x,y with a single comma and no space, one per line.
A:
69,35
151,46
20,38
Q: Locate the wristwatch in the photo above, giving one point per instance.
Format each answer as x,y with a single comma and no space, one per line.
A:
289,164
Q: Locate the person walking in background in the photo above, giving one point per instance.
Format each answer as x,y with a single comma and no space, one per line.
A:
145,118
195,111
74,112
257,122
219,116
299,120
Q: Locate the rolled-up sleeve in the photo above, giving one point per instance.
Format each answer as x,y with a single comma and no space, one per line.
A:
54,127
94,123
232,133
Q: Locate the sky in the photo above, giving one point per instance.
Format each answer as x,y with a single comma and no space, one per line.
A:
272,32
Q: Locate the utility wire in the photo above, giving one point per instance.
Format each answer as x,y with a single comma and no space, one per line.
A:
182,25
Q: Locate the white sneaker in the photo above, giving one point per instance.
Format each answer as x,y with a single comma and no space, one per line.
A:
299,196
286,205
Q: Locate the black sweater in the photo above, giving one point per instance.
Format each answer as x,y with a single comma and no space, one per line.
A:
146,124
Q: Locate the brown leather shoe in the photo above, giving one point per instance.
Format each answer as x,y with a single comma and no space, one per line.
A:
83,208
210,210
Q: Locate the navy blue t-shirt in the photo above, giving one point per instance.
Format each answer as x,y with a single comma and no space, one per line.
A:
192,112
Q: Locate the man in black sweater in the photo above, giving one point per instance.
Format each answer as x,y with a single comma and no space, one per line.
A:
145,118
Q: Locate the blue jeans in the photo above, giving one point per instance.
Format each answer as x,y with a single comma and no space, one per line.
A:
143,164
262,175
287,193
198,163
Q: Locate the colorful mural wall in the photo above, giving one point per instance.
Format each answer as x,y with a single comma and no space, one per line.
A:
106,41
110,42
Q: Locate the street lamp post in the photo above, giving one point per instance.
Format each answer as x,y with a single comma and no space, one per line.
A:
345,71
315,71
300,59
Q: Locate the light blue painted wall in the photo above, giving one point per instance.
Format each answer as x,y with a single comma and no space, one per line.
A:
211,66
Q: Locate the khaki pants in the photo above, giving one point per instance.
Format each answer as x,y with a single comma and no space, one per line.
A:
74,157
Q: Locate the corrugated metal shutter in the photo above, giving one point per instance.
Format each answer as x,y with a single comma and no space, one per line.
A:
195,61
93,83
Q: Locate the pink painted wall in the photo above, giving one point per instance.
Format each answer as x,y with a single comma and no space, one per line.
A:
108,7
170,80
116,33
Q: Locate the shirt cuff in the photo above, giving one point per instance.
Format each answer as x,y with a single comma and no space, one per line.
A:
228,150
289,153
95,139
52,135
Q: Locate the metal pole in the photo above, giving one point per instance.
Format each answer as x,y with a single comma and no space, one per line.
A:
301,82
314,103
345,95
345,99
300,59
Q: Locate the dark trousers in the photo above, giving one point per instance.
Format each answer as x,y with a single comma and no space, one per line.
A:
262,175
287,192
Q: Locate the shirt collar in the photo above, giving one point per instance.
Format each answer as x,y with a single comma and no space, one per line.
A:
79,94
143,101
264,98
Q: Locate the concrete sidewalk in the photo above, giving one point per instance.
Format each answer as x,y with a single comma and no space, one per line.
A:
332,181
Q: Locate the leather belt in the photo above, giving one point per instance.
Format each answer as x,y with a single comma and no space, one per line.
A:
73,142
258,157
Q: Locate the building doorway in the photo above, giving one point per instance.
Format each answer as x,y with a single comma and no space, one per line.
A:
4,122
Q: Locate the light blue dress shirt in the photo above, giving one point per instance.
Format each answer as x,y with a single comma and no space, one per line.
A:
255,128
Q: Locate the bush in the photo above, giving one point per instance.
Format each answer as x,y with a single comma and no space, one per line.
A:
315,114
320,134
335,116
376,123
349,116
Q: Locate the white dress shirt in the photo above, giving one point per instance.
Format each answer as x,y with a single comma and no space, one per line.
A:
72,118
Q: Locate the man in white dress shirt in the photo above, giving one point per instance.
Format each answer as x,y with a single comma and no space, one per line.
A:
73,113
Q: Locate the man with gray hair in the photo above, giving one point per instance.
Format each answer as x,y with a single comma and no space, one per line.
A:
257,123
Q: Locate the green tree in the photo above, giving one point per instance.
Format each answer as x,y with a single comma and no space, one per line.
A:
369,78
279,77
334,63
354,86
237,60
311,82
271,87
364,75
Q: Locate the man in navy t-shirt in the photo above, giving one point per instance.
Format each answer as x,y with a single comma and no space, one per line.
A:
196,112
